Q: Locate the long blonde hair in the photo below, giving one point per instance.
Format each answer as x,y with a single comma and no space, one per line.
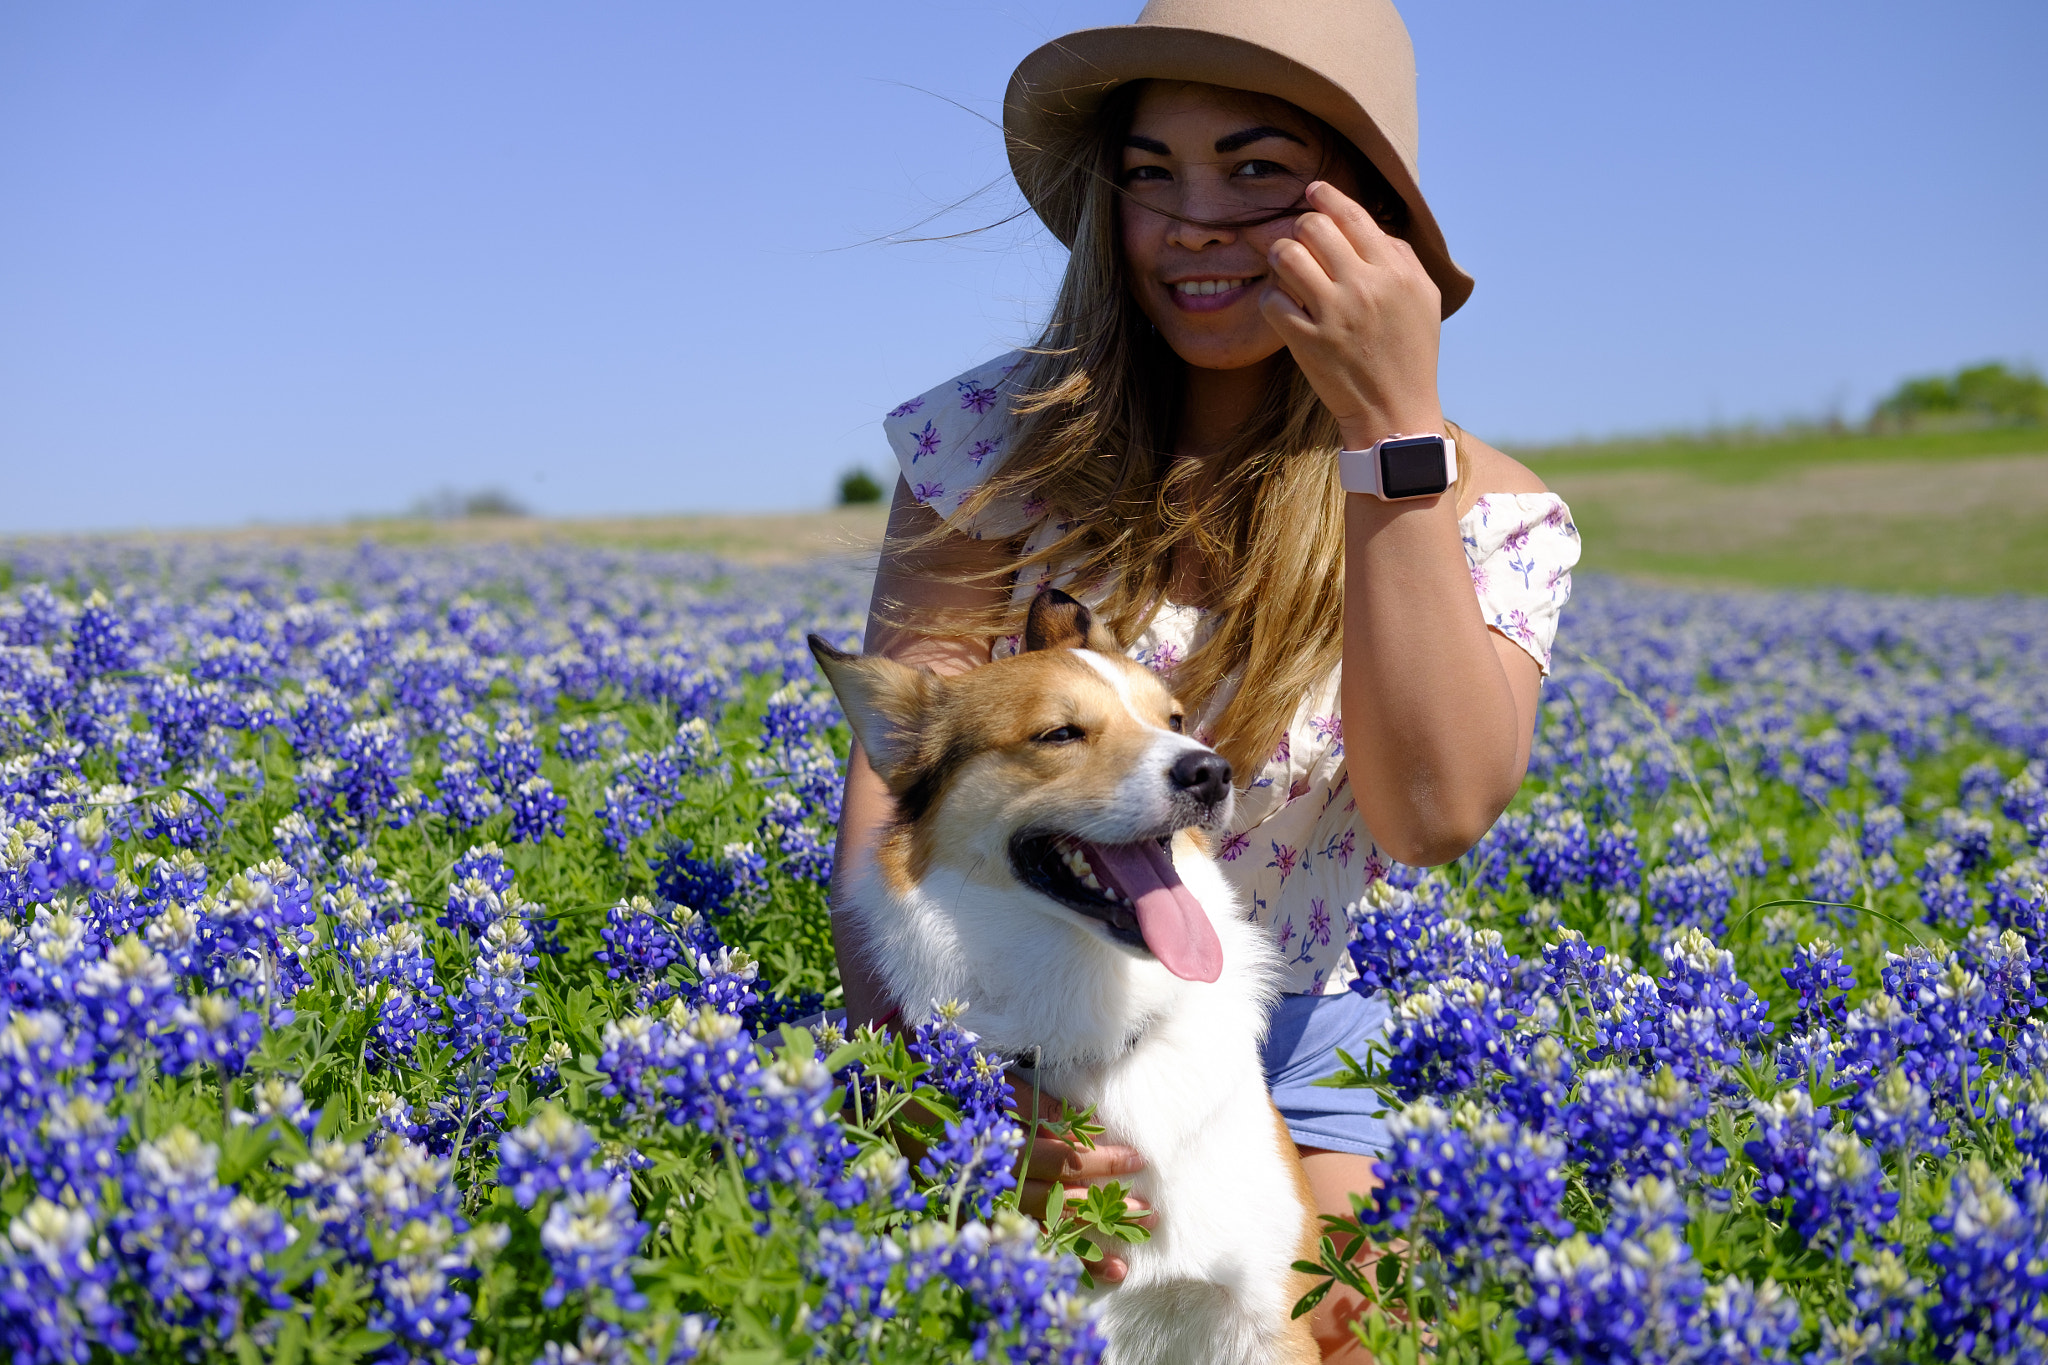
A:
1098,398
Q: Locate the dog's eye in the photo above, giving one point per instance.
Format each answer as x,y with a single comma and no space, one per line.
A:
1065,734
1177,724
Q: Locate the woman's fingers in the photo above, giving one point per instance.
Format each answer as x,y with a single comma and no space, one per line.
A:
1365,237
1298,274
1052,1159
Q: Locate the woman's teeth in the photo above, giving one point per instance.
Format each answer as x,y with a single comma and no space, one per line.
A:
1212,286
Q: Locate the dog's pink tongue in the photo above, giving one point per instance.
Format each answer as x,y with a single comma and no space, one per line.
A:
1174,925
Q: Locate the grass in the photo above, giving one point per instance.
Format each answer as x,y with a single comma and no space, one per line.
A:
1959,511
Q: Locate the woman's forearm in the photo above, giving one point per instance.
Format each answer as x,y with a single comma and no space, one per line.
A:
1431,717
866,809
934,578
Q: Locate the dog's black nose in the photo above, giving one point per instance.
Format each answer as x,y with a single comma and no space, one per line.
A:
1202,775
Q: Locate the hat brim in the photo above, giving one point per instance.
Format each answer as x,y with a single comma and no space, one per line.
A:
1057,90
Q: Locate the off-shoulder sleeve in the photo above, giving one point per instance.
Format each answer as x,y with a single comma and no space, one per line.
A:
1521,547
948,440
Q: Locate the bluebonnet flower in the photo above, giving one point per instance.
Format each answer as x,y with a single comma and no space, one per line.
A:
2019,898
1483,1190
726,981
537,811
463,798
1539,1079
1836,876
806,854
640,944
1948,897
1617,786
1879,830
1617,861
1711,1012
80,858
1020,1296
1969,835
1688,842
211,1030
1748,1324
513,760
855,1274
100,642
586,741
1447,1037
1624,1125
1694,894
1559,853
976,1153
1634,1294
316,721
1988,1300
195,1247
715,887
1897,1115
551,1152
54,1278
1978,786
127,992
590,1237
2024,801
1817,969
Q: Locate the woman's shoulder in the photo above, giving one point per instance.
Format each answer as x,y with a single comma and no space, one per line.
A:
1493,473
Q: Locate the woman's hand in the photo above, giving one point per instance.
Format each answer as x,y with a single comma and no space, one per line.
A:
1054,1165
1362,317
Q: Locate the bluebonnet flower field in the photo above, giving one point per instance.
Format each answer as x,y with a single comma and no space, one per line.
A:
403,950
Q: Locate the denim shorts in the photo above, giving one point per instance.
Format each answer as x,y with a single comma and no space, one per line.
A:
1301,1049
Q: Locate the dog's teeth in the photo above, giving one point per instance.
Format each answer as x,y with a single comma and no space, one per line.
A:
1088,880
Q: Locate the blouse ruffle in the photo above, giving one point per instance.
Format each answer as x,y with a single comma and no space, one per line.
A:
1298,850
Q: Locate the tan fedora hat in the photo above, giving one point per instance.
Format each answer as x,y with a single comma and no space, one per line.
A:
1348,62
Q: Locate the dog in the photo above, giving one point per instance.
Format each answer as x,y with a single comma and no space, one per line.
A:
1049,864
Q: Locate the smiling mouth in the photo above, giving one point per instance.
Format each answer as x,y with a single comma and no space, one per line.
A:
1201,289
1058,867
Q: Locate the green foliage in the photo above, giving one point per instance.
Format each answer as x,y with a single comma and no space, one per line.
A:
857,488
1988,395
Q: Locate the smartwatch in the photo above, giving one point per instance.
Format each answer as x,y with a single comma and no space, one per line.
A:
1400,467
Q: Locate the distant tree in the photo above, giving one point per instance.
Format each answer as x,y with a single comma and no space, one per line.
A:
856,487
448,504
1989,395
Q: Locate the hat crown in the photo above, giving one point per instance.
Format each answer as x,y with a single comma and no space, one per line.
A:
1360,46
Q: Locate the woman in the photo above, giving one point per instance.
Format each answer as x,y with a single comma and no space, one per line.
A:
1256,283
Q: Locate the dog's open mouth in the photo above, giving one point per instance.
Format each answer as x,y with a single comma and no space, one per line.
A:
1131,889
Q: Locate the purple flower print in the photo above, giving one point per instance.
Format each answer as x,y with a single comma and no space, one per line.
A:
1341,847
1517,546
1286,934
1375,867
1298,790
927,442
1034,508
1234,847
1315,985
975,398
1480,579
905,409
928,492
1283,858
1164,659
1284,751
1318,920
1515,625
981,450
1331,727
1559,575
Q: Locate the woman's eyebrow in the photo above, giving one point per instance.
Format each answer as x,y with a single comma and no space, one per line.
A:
1148,144
1251,135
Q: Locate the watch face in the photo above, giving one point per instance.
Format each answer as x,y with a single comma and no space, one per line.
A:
1413,468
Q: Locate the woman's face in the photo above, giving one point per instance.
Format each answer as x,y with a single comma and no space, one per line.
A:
1218,157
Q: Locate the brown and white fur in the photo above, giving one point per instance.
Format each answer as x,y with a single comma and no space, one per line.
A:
1071,739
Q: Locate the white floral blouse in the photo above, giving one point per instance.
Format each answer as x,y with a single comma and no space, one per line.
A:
1298,851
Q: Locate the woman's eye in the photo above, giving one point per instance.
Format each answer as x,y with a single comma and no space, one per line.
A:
1065,734
1156,174
1261,168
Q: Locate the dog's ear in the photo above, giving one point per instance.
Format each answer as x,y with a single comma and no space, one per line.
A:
1057,621
885,703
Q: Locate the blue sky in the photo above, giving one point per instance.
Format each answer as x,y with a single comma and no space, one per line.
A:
264,260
